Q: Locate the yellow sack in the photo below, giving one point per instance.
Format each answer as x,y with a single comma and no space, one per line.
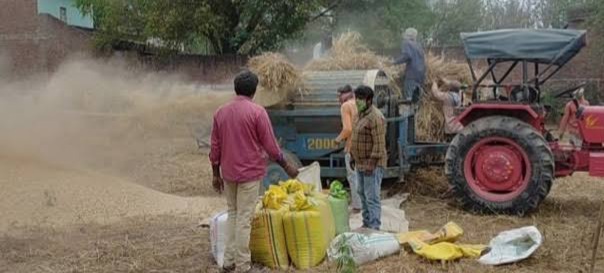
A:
450,232
445,251
308,234
267,241
274,197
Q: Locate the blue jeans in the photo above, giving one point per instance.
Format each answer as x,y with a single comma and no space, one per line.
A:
369,190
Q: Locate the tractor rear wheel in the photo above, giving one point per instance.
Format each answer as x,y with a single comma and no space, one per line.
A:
499,164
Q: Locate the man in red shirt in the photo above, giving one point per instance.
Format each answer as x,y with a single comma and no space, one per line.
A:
242,135
569,120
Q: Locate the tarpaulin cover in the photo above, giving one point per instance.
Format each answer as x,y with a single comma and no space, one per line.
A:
537,45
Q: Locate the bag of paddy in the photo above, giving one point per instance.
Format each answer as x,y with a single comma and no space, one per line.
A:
338,200
309,228
267,241
218,236
363,247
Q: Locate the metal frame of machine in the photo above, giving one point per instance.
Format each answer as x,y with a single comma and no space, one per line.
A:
307,127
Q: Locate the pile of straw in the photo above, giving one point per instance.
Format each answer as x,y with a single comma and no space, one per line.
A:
278,78
349,53
430,119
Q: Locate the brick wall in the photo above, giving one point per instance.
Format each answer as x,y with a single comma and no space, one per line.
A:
36,43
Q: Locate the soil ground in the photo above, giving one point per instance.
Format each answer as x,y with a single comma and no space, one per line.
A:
176,243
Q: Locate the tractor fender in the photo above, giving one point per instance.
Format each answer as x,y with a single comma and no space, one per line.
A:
522,112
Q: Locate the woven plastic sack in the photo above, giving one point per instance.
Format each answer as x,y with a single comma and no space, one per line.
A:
365,247
311,175
338,200
326,213
267,241
512,246
308,234
218,236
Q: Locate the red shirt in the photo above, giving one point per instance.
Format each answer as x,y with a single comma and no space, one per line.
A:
242,135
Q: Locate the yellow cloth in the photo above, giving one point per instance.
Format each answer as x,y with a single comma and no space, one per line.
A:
440,246
445,251
274,197
448,233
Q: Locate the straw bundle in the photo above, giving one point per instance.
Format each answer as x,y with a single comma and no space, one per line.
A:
278,78
430,119
349,53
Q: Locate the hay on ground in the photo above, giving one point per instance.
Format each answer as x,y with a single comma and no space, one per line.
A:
279,79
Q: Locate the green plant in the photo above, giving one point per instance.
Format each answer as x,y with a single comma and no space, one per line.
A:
345,263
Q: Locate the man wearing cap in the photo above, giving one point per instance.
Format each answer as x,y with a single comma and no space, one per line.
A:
349,115
569,120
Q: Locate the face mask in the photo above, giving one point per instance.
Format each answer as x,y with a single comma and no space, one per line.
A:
361,105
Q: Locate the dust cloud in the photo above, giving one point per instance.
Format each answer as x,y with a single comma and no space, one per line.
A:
96,140
92,112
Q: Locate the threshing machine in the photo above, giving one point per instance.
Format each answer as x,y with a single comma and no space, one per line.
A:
308,126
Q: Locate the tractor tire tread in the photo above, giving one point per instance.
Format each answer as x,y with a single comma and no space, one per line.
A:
540,157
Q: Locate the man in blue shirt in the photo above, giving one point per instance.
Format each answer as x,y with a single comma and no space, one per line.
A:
415,71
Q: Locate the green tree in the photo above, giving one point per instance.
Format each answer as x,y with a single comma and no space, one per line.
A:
229,26
380,21
454,17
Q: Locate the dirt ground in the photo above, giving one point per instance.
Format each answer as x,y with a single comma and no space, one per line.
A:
125,191
174,242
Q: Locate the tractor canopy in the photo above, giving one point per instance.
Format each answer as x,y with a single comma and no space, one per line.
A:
546,46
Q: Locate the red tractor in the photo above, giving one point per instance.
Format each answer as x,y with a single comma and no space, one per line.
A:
505,160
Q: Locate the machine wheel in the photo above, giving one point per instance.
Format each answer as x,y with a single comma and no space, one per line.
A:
274,172
499,164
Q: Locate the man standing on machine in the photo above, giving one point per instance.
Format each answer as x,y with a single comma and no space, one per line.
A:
415,71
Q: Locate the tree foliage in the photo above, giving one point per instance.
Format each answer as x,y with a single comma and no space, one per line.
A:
380,21
252,26
229,26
